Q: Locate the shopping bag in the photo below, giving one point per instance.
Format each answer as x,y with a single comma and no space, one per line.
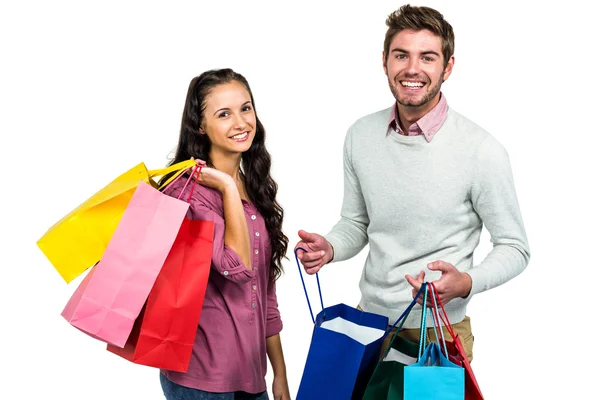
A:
387,381
457,353
107,302
78,240
343,352
433,376
163,335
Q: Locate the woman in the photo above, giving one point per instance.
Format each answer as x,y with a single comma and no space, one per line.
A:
240,323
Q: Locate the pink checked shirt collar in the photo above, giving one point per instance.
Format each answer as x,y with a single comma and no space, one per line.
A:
427,126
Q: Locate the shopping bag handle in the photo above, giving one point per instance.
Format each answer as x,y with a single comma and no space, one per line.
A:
404,314
446,322
435,316
178,168
402,317
304,286
444,317
423,332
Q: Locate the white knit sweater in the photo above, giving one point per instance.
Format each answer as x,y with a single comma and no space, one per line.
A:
414,202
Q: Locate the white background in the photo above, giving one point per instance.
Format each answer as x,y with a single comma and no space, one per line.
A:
89,89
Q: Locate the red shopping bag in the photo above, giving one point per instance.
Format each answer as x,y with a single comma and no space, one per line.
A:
457,354
164,333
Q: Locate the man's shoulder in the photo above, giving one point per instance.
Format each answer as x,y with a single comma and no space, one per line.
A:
465,124
372,121
474,133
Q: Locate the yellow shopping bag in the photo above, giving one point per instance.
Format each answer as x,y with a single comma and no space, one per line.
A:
78,241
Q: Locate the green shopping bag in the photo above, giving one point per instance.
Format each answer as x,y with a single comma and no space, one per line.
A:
387,381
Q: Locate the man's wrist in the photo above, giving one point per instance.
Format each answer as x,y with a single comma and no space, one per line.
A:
468,285
332,252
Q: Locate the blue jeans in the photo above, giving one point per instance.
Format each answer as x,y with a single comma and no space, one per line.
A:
174,391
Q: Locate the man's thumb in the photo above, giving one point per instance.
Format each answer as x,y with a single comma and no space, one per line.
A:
307,237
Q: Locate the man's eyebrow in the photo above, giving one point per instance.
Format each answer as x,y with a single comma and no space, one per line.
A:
399,50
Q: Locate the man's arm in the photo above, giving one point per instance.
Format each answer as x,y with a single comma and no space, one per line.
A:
349,236
494,199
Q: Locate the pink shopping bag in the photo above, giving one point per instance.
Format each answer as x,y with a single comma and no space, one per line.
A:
110,298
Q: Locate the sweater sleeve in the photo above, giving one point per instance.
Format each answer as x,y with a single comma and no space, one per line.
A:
349,236
495,201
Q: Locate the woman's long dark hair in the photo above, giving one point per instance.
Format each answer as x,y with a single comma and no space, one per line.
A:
256,161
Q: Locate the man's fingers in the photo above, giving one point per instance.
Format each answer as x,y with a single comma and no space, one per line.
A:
308,237
442,266
312,270
300,253
312,264
413,282
311,256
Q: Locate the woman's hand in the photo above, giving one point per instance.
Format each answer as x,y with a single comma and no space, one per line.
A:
212,178
281,391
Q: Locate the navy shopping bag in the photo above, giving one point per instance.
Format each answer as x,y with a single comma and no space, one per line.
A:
343,352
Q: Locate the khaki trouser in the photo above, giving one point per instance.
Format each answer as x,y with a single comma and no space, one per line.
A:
462,329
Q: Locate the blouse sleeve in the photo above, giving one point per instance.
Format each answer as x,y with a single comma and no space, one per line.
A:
225,260
274,323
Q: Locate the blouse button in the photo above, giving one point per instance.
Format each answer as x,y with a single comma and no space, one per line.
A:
225,273
253,217
257,234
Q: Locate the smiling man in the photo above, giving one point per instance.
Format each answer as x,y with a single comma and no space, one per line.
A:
420,181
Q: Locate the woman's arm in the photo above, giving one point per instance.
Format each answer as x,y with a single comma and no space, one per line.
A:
281,390
236,227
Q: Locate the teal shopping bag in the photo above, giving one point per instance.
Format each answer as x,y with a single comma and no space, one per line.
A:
433,377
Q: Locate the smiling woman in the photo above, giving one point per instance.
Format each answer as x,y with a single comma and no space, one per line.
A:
221,130
230,120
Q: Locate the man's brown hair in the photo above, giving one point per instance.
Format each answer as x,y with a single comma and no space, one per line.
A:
419,18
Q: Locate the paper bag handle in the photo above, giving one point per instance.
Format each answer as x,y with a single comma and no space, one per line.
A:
304,286
178,168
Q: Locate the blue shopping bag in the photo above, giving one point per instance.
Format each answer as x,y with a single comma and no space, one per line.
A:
343,351
433,377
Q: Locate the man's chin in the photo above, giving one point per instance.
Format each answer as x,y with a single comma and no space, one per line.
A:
411,102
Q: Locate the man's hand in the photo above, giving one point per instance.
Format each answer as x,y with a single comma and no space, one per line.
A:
451,284
319,251
281,390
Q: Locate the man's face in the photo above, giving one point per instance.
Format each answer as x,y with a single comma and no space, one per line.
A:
415,68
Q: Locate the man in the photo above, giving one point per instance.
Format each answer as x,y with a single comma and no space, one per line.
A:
419,182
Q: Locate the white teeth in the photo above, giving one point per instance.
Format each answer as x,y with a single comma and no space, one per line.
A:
240,136
412,84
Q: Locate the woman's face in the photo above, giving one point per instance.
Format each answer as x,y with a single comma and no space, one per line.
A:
229,119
